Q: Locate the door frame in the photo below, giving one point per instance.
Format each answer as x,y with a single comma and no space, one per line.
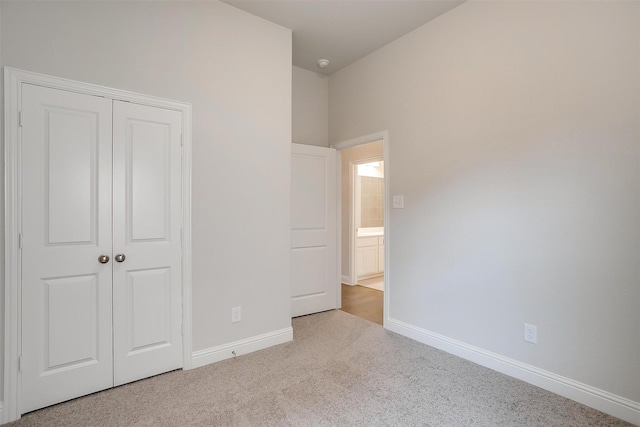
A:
13,79
365,139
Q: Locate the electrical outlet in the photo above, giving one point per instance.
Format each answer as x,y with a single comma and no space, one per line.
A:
398,202
531,333
236,315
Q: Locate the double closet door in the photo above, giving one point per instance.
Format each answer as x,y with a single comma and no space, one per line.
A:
100,185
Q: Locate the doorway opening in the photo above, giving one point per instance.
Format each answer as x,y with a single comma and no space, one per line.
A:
363,186
368,220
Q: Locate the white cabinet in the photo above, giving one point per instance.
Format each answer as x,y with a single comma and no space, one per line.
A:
369,256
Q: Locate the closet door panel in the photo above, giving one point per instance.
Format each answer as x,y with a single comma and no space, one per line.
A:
66,225
148,180
149,306
147,222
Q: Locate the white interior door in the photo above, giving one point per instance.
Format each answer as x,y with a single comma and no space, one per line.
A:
100,179
314,262
66,226
147,223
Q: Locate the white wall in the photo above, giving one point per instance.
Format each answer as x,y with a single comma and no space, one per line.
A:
236,71
353,154
310,108
514,138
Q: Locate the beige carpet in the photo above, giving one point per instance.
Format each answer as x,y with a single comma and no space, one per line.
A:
340,370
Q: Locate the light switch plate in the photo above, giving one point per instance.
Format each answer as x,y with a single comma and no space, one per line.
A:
398,202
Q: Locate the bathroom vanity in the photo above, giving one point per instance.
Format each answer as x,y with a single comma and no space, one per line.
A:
370,252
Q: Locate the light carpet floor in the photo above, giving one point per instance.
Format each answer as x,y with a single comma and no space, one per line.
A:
340,370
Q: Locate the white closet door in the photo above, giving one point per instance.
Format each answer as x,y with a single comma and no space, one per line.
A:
147,227
314,261
66,225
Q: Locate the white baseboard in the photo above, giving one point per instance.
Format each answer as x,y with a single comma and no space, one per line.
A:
601,400
347,280
248,345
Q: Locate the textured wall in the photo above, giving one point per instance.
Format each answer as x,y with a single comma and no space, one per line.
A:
236,71
514,138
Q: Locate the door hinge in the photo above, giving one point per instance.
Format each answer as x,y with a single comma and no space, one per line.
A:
181,235
182,329
181,140
19,240
20,363
20,118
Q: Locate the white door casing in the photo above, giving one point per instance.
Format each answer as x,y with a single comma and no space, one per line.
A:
80,229
314,260
66,223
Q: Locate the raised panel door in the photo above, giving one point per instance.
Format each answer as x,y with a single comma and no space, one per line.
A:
99,179
314,264
147,222
66,226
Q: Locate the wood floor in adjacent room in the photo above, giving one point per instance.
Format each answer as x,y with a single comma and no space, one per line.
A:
363,302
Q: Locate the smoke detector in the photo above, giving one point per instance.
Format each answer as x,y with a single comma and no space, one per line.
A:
323,63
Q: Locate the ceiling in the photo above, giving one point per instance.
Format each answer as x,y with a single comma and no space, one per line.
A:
343,31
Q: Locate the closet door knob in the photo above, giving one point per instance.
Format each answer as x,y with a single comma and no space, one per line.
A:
120,257
103,259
